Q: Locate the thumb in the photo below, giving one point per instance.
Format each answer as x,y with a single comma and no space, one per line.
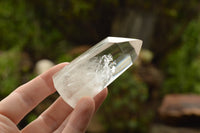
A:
81,116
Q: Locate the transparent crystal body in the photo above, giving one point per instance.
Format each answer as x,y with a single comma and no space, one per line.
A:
95,69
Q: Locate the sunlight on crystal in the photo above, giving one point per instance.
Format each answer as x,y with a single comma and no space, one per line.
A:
95,69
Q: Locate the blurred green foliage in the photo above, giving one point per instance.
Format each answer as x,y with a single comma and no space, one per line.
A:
20,27
124,104
9,72
20,31
182,65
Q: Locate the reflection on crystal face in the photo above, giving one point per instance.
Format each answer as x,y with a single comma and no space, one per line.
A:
95,69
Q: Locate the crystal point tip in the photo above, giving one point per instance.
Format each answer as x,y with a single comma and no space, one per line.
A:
136,44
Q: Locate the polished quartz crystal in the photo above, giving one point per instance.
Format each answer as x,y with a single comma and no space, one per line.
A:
95,69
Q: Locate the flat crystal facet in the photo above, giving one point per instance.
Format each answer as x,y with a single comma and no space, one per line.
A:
95,69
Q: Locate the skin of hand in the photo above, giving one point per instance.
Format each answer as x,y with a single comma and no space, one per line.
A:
58,118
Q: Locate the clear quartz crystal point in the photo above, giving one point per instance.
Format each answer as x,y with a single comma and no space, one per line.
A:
95,69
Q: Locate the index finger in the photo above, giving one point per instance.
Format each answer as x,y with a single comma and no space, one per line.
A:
26,97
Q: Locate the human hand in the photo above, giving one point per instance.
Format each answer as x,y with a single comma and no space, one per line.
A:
58,118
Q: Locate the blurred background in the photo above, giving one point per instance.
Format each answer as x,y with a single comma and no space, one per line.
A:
160,93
